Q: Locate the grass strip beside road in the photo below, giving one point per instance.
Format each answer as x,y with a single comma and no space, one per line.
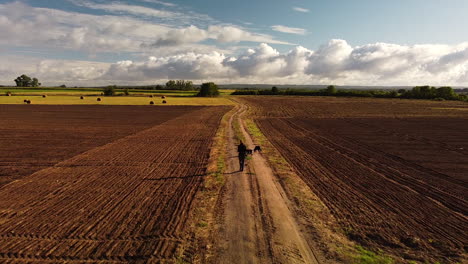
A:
203,220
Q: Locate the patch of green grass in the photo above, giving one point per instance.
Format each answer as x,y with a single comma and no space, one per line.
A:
237,130
202,224
114,100
364,256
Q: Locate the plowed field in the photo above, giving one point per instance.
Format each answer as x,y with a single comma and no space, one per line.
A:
392,172
34,137
125,201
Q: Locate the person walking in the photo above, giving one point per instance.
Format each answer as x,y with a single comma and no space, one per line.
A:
242,150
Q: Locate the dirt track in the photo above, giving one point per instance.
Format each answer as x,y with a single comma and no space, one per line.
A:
126,201
394,182
257,225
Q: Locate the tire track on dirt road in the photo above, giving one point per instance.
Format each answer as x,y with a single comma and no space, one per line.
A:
258,226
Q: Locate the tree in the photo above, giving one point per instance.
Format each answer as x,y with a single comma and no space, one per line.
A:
274,90
180,85
445,92
171,85
331,89
26,81
109,90
209,89
35,82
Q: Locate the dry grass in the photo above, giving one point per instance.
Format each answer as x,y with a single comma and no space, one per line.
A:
114,100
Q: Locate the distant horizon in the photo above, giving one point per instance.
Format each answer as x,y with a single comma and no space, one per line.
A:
247,85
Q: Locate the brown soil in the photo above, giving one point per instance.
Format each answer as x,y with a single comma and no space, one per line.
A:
37,137
125,201
392,180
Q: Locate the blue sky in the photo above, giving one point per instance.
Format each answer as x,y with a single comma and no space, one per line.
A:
361,42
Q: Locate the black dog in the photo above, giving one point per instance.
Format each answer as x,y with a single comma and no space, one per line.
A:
258,148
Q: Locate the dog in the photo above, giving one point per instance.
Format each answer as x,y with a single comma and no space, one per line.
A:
258,148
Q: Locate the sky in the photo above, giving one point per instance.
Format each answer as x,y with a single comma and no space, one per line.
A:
139,42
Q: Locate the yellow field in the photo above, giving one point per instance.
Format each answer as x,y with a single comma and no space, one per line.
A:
115,100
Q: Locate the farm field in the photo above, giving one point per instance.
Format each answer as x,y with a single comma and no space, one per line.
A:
392,172
124,198
15,91
113,100
34,137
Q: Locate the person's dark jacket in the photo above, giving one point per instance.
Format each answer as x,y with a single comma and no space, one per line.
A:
242,149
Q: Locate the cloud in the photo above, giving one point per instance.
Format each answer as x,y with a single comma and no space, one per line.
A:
334,62
221,34
25,26
120,8
159,2
300,9
185,66
290,30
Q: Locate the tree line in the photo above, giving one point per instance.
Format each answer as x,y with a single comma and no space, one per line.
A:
417,92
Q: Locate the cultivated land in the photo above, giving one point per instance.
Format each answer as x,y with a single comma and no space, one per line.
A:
122,196
34,137
392,172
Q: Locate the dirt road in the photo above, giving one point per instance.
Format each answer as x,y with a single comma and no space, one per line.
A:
257,225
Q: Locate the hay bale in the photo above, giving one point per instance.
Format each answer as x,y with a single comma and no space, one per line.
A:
151,103
25,100
99,99
81,97
44,96
8,94
163,97
164,102
102,93
28,102
151,96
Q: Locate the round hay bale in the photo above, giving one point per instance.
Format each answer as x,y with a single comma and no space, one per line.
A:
151,96
28,102
81,97
44,96
8,94
102,93
25,100
151,103
164,102
163,97
99,99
